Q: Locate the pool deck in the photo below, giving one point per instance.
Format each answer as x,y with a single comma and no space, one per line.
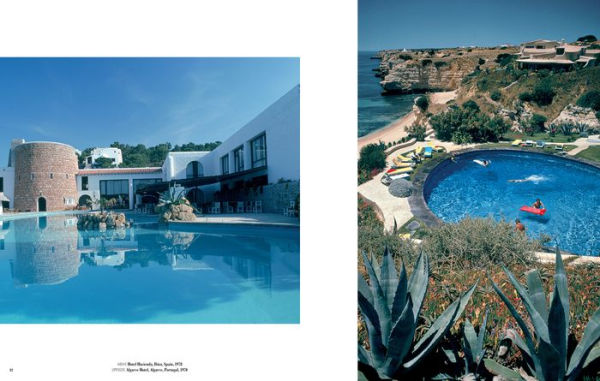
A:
265,219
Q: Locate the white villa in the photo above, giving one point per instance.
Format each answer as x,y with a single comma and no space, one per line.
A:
262,154
549,54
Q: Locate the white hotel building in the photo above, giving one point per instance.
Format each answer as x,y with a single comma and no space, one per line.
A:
263,153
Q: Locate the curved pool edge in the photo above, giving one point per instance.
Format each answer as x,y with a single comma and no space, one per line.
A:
420,209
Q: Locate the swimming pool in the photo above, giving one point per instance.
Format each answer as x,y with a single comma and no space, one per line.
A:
52,273
570,191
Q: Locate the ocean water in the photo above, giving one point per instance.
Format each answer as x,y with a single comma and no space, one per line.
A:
569,190
52,273
374,110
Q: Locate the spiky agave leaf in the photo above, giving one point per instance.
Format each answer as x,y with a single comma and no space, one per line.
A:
501,370
591,336
439,328
418,282
379,300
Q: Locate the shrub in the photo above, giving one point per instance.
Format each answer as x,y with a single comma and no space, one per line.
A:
426,62
504,59
439,64
405,57
476,243
495,95
525,97
372,156
537,123
598,115
481,61
543,93
471,105
422,103
590,99
587,38
416,131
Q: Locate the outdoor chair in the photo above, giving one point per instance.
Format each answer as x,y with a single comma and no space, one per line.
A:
215,208
227,208
249,207
290,210
240,207
257,207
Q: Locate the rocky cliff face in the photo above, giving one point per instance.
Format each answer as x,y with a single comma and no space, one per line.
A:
421,71
576,115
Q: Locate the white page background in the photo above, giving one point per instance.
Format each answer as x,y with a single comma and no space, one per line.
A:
323,34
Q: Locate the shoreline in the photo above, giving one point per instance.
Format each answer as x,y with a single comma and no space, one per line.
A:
396,130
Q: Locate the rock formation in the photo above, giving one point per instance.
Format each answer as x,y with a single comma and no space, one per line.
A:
577,115
102,221
175,212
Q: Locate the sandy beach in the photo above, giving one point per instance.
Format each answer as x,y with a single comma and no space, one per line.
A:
395,130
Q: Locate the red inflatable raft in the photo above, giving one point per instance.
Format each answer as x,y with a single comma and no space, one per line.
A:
530,209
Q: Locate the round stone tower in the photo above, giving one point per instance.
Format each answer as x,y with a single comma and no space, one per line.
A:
45,176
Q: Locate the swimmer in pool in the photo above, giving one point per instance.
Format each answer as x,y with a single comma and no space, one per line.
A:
519,226
483,163
533,178
538,204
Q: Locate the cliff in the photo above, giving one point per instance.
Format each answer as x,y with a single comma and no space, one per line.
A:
431,70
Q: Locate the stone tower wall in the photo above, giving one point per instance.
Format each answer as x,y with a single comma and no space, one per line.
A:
45,169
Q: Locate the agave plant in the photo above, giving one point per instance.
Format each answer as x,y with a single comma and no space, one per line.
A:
548,360
474,350
390,307
173,196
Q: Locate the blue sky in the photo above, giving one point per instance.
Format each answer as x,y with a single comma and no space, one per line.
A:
391,24
92,102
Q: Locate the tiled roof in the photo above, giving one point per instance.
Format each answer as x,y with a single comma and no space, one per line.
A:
118,171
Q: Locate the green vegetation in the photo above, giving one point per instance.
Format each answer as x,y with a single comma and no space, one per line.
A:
390,307
142,156
525,96
416,131
591,153
543,93
504,59
371,160
439,64
587,38
482,241
422,103
590,99
546,353
467,125
535,124
496,95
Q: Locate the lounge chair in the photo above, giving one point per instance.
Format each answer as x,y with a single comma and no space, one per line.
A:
257,207
240,207
516,143
559,147
540,144
528,143
428,152
419,150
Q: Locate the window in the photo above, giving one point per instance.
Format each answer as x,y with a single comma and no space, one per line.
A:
238,159
89,160
32,176
115,193
1,184
84,183
225,164
193,170
259,151
138,183
52,175
67,175
114,187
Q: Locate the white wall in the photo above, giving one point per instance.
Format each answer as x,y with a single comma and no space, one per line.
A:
108,152
8,174
281,124
176,163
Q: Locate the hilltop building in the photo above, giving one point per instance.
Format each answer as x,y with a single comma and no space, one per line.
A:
261,161
555,55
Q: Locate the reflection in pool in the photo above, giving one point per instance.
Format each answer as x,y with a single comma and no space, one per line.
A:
52,273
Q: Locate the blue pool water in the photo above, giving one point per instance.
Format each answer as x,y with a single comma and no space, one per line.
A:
569,190
52,273
374,110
